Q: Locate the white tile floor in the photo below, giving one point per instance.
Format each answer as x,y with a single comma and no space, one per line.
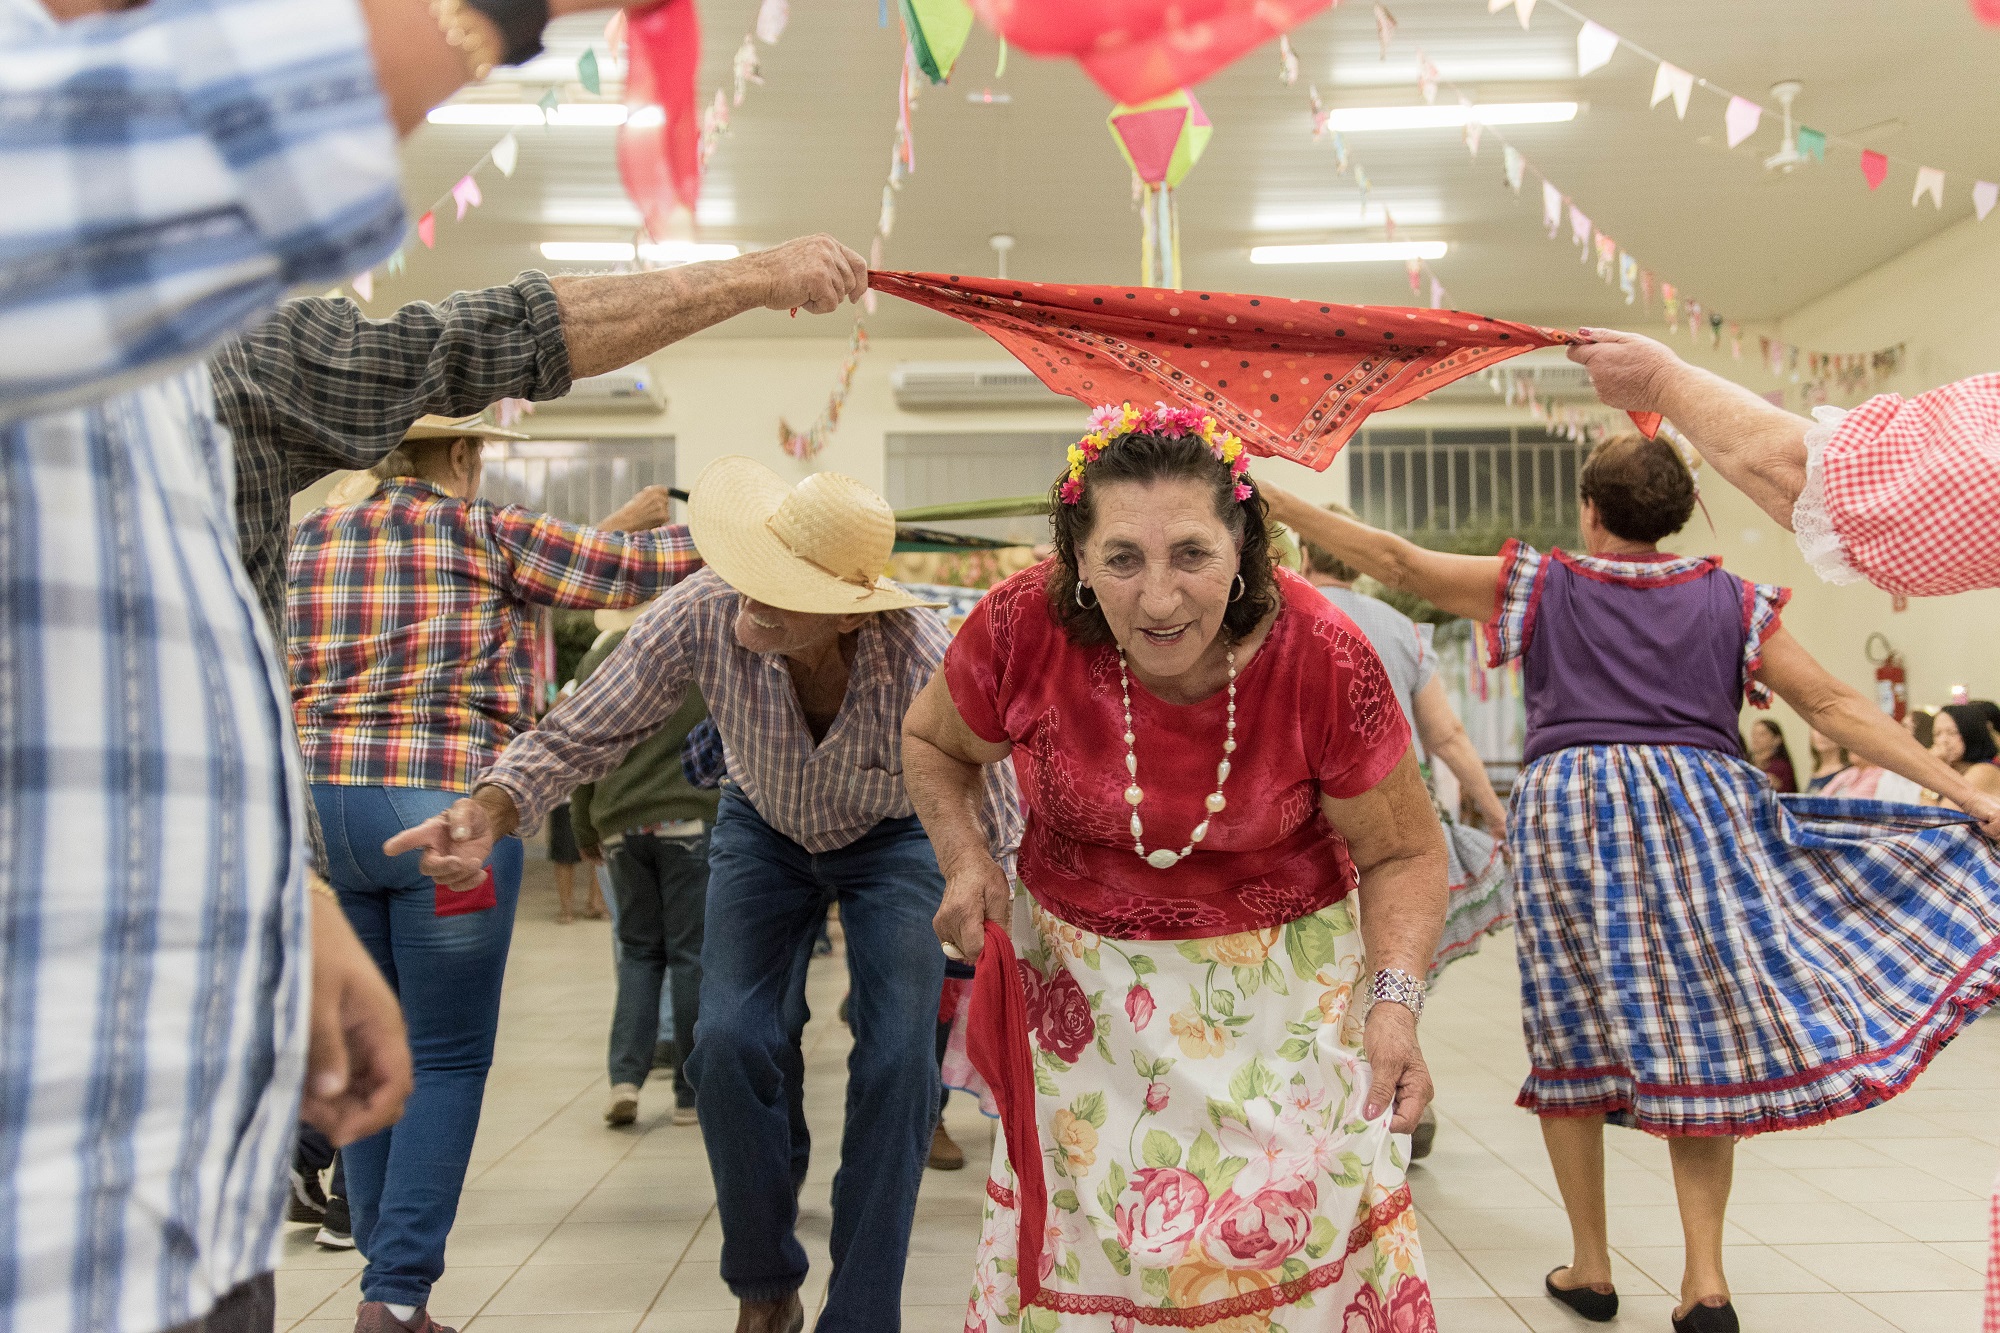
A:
1872,1224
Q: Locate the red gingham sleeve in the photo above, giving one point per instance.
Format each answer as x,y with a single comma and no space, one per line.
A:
552,563
1912,488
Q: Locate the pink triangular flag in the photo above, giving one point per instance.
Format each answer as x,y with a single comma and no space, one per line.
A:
427,228
1552,208
1874,168
1523,9
1741,119
1929,181
363,285
1579,228
1385,28
1595,45
1427,78
466,195
1984,195
1437,294
1672,81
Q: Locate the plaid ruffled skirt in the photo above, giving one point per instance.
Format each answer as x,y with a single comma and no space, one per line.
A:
1699,956
1480,901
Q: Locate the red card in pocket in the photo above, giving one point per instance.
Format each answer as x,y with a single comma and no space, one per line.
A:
478,898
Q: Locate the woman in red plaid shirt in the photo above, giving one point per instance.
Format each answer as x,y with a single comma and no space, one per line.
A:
412,648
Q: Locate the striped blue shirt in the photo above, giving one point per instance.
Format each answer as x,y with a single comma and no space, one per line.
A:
167,172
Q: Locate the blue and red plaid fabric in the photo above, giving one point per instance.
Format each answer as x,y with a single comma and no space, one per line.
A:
703,762
1699,956
412,628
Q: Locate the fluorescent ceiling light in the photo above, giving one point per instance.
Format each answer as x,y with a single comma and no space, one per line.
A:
1355,119
590,252
686,252
1310,219
1528,66
569,115
624,252
1360,252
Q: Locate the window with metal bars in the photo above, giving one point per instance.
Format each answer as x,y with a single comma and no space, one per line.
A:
934,468
1466,481
578,481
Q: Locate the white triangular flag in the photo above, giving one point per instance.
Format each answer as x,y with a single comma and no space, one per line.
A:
1524,8
1516,166
505,154
1495,6
1595,46
1672,79
1984,195
1552,208
363,285
1929,181
1473,130
1740,120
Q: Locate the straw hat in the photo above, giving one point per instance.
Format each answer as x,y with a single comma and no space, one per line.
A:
819,546
446,428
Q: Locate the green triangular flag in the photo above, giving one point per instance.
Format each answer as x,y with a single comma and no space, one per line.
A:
549,102
586,71
1812,144
938,29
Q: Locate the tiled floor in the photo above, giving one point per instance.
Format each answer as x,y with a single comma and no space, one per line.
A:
1874,1223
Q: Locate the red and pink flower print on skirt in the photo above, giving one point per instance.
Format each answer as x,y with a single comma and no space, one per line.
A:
1206,1167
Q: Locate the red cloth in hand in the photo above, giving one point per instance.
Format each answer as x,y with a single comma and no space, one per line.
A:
997,1042
452,902
1294,378
1137,50
659,145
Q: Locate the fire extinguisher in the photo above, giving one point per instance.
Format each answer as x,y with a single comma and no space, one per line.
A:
1892,688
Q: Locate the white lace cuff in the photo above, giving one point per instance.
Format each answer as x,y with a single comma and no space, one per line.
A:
1811,525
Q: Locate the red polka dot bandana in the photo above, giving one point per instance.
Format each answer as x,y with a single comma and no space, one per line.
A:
1294,378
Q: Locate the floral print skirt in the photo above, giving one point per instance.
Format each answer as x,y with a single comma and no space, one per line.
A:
1203,1142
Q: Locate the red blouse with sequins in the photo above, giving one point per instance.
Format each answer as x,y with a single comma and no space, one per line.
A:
1314,716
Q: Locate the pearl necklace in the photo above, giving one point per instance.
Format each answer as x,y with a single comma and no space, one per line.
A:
1161,858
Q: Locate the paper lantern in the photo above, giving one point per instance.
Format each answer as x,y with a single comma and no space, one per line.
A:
937,29
1140,49
1161,141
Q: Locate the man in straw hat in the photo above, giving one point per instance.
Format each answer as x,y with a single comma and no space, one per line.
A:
808,659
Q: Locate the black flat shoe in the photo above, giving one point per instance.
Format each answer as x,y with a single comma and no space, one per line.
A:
1596,1306
1708,1319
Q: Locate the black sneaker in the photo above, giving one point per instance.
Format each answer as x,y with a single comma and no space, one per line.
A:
336,1232
308,1202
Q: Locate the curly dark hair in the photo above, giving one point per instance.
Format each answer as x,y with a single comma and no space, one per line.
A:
1144,457
1642,488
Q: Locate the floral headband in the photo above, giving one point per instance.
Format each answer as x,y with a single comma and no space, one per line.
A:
1109,424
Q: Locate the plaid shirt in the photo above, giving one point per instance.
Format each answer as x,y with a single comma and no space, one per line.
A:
412,638
169,170
822,796
318,388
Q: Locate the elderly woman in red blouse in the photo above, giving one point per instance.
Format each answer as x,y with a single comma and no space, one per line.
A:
1214,768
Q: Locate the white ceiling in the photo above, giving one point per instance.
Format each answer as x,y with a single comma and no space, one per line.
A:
809,150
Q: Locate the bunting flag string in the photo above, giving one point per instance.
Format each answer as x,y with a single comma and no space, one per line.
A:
1817,373
464,196
1742,116
745,72
807,443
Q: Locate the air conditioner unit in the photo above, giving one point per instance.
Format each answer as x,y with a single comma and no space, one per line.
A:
960,386
631,390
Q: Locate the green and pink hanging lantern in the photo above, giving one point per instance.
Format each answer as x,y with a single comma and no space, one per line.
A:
1161,140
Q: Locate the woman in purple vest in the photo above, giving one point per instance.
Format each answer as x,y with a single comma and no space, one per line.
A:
1699,958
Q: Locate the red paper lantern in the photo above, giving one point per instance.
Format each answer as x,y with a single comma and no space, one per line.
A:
1137,50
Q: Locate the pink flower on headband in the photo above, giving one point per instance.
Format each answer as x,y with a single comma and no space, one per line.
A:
1113,422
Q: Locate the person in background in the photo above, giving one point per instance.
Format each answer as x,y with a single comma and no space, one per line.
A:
1830,764
649,823
1769,753
1477,882
810,659
412,644
1962,738
564,858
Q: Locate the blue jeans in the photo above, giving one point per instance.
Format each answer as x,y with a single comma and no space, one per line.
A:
766,898
403,1183
661,887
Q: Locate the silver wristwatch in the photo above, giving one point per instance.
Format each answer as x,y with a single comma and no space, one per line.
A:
1399,987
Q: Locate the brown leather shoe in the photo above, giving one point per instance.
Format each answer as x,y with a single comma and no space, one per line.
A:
945,1155
374,1317
787,1314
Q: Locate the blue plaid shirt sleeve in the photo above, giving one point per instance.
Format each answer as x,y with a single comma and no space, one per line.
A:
171,170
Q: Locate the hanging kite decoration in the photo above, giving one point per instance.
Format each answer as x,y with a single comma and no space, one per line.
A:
1138,50
659,145
1161,140
937,29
